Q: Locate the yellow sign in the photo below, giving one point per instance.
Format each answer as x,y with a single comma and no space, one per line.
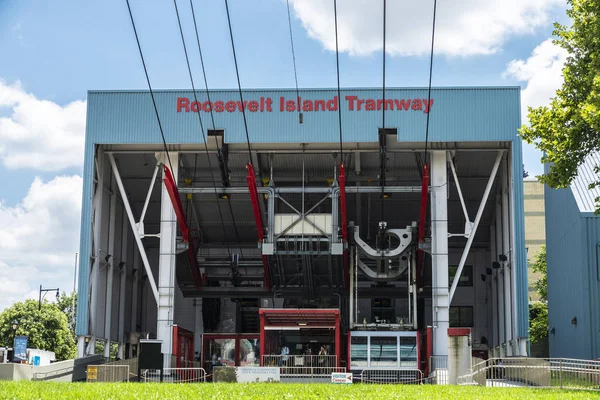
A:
92,373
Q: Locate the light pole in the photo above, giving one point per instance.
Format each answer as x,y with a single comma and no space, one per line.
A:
46,291
15,325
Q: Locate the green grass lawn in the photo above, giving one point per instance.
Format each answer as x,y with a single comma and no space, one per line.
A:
148,391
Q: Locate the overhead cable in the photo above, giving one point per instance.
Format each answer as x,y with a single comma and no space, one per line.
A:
430,76
162,134
237,72
201,125
212,117
294,60
337,63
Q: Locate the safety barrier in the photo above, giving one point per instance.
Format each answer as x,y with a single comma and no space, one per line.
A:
317,361
175,375
390,376
534,372
107,373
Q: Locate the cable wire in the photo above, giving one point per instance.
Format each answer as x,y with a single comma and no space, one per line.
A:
212,117
162,134
293,56
201,126
430,76
237,72
337,63
383,156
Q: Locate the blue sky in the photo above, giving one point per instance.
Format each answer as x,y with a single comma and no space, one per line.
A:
60,49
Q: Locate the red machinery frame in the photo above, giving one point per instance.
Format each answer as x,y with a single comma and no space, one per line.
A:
169,181
258,219
422,219
316,318
344,224
181,335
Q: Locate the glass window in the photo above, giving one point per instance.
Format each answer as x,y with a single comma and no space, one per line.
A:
249,352
408,352
222,352
384,351
358,351
461,317
466,277
383,310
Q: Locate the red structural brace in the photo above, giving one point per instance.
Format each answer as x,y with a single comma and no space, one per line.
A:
258,219
344,223
199,279
422,219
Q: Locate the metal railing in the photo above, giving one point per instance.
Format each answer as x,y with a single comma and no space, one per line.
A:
390,376
317,361
535,372
107,373
175,375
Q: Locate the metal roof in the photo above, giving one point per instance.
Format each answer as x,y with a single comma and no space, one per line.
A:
586,175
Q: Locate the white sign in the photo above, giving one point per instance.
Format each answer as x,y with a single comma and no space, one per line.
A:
257,374
341,377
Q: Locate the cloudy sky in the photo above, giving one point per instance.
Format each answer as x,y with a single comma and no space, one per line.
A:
53,52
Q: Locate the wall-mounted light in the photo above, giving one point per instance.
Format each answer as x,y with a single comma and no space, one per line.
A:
552,331
108,256
121,265
496,265
574,321
483,277
502,257
302,323
488,271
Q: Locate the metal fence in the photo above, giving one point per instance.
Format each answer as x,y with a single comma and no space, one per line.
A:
107,373
534,372
300,361
390,376
175,375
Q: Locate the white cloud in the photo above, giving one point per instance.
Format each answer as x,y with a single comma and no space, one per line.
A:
39,238
468,27
542,73
40,134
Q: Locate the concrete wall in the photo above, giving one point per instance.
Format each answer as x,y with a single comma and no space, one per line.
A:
535,226
63,371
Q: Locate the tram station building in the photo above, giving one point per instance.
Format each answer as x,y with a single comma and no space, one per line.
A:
258,228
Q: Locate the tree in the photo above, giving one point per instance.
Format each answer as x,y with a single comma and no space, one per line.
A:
65,303
538,310
525,173
569,128
539,265
46,329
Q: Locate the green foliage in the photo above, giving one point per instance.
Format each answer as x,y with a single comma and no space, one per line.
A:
65,302
46,329
225,374
539,265
569,129
538,321
265,391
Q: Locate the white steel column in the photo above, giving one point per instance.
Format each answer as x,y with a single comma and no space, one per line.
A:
473,231
494,298
166,263
506,250
500,273
110,272
97,211
439,252
199,327
122,285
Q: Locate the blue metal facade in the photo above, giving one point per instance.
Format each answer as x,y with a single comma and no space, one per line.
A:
458,114
573,264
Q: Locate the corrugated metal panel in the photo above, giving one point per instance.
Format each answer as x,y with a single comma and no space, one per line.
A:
568,283
585,197
519,234
457,114
593,247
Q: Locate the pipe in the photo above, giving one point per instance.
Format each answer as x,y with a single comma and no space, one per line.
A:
465,253
351,288
282,190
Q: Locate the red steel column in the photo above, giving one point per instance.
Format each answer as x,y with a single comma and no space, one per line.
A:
258,219
262,336
429,351
337,338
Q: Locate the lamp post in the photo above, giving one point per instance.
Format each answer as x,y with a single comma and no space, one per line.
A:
46,291
14,325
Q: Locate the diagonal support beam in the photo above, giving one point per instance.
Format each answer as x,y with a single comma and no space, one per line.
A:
465,253
258,219
136,234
